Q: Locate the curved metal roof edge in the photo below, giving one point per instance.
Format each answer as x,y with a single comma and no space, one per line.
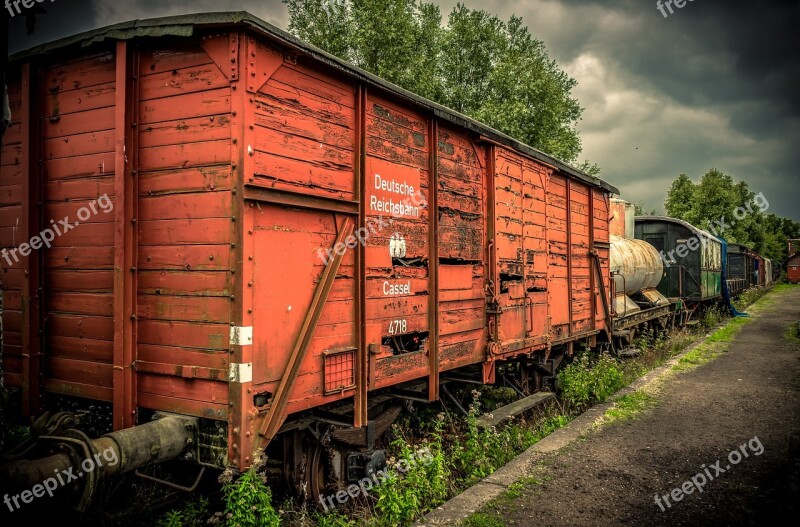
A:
684,223
184,25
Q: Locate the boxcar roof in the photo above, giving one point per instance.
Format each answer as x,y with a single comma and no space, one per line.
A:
740,246
667,219
184,26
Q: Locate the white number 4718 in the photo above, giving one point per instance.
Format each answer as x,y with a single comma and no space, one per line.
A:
397,327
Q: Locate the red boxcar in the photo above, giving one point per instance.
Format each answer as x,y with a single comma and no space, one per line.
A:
793,262
226,284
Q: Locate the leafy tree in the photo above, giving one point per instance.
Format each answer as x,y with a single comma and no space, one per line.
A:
477,64
680,198
638,210
593,169
731,210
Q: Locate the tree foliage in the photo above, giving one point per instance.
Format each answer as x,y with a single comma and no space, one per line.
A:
477,64
731,210
639,210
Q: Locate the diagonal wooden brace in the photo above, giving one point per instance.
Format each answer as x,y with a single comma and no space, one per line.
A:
274,417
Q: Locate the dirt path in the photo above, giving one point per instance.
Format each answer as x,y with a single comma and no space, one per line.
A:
612,477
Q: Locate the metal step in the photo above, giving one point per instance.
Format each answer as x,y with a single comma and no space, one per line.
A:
510,410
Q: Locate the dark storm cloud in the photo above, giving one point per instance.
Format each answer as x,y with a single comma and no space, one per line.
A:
67,17
712,85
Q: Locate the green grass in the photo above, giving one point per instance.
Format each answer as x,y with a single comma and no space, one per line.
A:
480,519
791,334
516,489
630,406
714,346
589,380
779,288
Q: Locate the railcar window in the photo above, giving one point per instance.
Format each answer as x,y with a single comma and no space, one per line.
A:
656,241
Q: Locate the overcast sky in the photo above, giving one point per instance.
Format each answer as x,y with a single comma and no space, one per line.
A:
715,84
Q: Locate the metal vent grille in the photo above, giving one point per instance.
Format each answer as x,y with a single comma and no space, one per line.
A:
339,371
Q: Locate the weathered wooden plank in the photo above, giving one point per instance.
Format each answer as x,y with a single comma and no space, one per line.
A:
508,411
187,106
84,189
81,166
281,99
81,74
95,304
79,101
79,371
189,180
195,130
185,257
182,81
76,124
84,349
179,334
184,156
185,283
84,281
168,59
186,206
201,390
186,308
204,231
306,124
308,80
80,258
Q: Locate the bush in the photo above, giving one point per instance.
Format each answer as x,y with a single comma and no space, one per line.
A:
585,381
191,515
403,496
248,502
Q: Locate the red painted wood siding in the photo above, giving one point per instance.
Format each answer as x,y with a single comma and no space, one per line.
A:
185,227
78,147
11,179
305,141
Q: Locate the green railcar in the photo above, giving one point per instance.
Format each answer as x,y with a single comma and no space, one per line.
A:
692,257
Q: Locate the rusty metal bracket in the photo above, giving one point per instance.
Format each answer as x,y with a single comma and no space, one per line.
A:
260,64
272,420
223,50
606,310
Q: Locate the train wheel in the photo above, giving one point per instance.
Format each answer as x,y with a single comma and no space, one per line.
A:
316,471
306,465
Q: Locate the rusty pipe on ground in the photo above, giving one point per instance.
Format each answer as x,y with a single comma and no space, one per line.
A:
116,453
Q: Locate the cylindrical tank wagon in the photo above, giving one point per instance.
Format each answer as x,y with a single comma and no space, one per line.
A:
635,266
290,244
636,271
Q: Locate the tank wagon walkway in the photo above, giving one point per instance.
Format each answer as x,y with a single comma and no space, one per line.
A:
612,477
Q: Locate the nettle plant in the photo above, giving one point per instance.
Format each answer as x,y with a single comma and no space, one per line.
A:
403,497
248,501
585,381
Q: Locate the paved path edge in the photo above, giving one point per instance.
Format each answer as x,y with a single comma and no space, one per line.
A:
475,497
